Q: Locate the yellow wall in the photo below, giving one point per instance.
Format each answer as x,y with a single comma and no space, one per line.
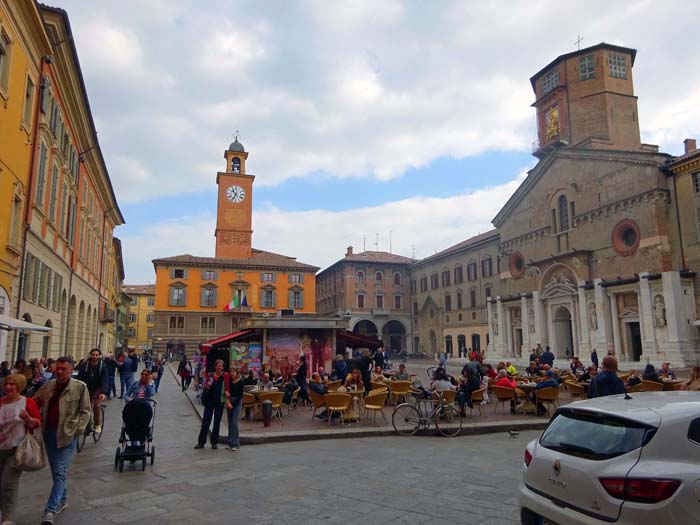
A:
224,293
22,24
142,310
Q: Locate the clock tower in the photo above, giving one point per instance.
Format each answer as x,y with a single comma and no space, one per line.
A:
234,227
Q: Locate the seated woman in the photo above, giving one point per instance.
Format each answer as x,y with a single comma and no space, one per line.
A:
143,389
633,379
693,383
650,374
354,380
378,375
490,372
505,382
533,370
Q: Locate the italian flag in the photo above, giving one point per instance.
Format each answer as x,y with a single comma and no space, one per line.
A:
232,305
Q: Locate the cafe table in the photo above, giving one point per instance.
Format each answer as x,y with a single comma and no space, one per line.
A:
353,412
671,384
527,405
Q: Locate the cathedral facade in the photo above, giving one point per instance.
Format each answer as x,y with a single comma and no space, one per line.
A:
589,244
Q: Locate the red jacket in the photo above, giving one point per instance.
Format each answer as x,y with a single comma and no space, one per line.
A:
505,382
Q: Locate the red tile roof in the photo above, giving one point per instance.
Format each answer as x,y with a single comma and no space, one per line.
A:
259,260
139,289
380,257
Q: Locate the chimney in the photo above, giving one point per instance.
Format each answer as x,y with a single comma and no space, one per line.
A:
690,145
349,252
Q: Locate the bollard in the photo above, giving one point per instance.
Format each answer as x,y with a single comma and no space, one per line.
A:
267,412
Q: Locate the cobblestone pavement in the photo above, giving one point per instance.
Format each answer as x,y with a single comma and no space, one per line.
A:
469,479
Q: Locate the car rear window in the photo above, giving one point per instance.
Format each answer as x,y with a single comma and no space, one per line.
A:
694,431
594,436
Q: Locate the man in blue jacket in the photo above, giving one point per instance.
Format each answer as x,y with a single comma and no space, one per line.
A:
606,382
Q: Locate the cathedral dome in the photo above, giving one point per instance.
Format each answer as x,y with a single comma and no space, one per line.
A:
237,147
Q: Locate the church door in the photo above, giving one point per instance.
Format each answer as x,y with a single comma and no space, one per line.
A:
563,334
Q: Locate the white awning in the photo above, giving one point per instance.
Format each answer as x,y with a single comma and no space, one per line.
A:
10,323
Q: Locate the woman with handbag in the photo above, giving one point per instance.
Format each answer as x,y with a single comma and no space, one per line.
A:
18,415
213,399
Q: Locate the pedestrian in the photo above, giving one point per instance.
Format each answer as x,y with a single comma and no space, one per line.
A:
157,373
594,358
234,402
300,377
142,389
94,375
125,374
606,382
213,399
65,413
548,357
18,415
184,370
112,366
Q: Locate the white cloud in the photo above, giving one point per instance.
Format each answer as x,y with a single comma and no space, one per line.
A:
418,224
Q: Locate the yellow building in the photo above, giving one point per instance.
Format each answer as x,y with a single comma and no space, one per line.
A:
23,43
139,328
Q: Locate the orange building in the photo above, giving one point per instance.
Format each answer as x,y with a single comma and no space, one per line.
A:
200,298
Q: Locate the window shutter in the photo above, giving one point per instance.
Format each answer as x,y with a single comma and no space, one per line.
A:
172,296
262,299
172,273
202,298
202,275
301,299
184,272
274,277
289,277
274,299
262,277
290,299
301,277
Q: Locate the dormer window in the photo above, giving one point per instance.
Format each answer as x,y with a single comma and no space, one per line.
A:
550,81
236,165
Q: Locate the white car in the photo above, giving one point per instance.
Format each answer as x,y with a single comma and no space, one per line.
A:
616,460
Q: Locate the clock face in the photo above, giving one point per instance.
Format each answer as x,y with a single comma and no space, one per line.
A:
235,194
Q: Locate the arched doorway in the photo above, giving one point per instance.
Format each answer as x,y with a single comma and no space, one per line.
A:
78,350
448,345
476,342
366,327
563,333
461,345
394,336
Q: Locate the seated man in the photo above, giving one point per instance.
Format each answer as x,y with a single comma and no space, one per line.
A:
512,371
549,382
666,372
325,378
588,374
577,366
354,380
533,370
402,375
317,387
266,383
143,389
505,382
470,384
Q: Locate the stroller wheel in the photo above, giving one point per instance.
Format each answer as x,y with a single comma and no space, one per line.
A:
143,464
153,454
117,456
121,465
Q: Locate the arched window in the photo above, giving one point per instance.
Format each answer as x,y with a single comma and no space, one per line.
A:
378,277
361,278
563,204
397,279
236,165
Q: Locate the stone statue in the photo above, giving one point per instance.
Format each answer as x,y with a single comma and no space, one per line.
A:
531,321
659,311
593,316
495,323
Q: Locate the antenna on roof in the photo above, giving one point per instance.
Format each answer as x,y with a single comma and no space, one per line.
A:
578,42
390,232
376,243
413,251
364,244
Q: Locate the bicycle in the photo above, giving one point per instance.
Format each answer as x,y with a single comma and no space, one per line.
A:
408,418
90,429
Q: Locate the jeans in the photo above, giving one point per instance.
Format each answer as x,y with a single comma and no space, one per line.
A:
9,479
157,382
122,384
211,411
111,387
233,416
59,461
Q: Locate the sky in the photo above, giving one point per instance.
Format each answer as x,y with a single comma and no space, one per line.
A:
393,126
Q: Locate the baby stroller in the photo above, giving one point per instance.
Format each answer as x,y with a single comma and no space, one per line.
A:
138,420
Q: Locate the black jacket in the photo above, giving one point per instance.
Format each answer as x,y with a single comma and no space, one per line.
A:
95,377
605,383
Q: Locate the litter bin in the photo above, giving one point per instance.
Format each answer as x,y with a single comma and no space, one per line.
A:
267,412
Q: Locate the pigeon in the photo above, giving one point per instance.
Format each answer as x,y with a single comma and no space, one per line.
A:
513,433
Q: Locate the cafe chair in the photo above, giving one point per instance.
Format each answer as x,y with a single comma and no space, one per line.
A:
295,398
334,385
378,391
547,396
377,384
448,395
276,398
575,390
317,402
248,404
477,398
399,390
337,403
374,402
503,395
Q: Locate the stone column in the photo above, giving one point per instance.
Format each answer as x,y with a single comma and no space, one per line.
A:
601,340
675,316
540,328
615,326
646,319
585,340
510,351
501,347
489,316
524,314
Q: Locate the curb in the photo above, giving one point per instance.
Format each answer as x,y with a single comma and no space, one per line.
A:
468,429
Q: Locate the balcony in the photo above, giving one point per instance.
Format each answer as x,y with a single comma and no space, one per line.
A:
107,315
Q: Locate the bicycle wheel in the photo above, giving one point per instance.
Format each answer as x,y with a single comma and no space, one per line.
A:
81,441
405,419
98,435
448,422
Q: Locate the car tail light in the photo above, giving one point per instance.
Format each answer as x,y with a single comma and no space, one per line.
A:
528,457
641,490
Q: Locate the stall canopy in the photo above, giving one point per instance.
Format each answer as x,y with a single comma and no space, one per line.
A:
353,340
224,340
9,323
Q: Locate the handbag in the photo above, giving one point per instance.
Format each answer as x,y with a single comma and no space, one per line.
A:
30,454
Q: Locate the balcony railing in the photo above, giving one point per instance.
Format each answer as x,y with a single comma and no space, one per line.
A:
107,316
